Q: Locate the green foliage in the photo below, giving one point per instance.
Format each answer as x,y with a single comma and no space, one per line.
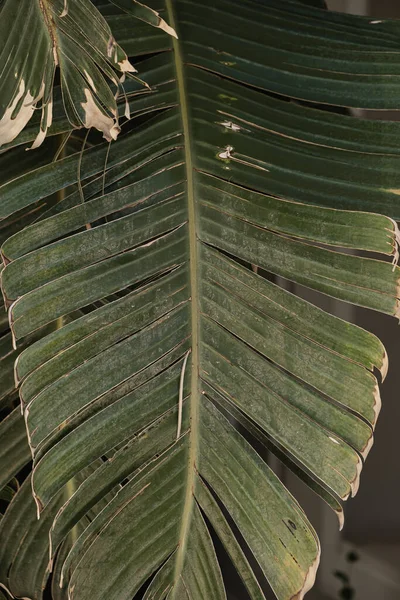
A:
146,332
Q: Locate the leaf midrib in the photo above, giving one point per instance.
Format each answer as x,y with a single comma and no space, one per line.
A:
193,259
48,19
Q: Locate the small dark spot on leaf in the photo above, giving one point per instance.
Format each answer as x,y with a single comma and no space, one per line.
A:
292,525
288,528
295,559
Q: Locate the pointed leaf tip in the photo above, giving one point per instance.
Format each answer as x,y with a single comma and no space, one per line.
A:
146,14
94,117
167,28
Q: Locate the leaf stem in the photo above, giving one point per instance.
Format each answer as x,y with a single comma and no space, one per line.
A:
193,260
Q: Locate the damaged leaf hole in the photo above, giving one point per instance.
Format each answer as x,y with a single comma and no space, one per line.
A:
231,126
226,154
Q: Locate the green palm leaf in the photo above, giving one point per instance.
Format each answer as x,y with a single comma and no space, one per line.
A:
57,33
130,266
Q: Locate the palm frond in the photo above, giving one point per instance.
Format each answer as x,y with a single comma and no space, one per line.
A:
161,339
72,36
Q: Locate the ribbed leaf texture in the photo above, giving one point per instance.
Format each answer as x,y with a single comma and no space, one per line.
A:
146,335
